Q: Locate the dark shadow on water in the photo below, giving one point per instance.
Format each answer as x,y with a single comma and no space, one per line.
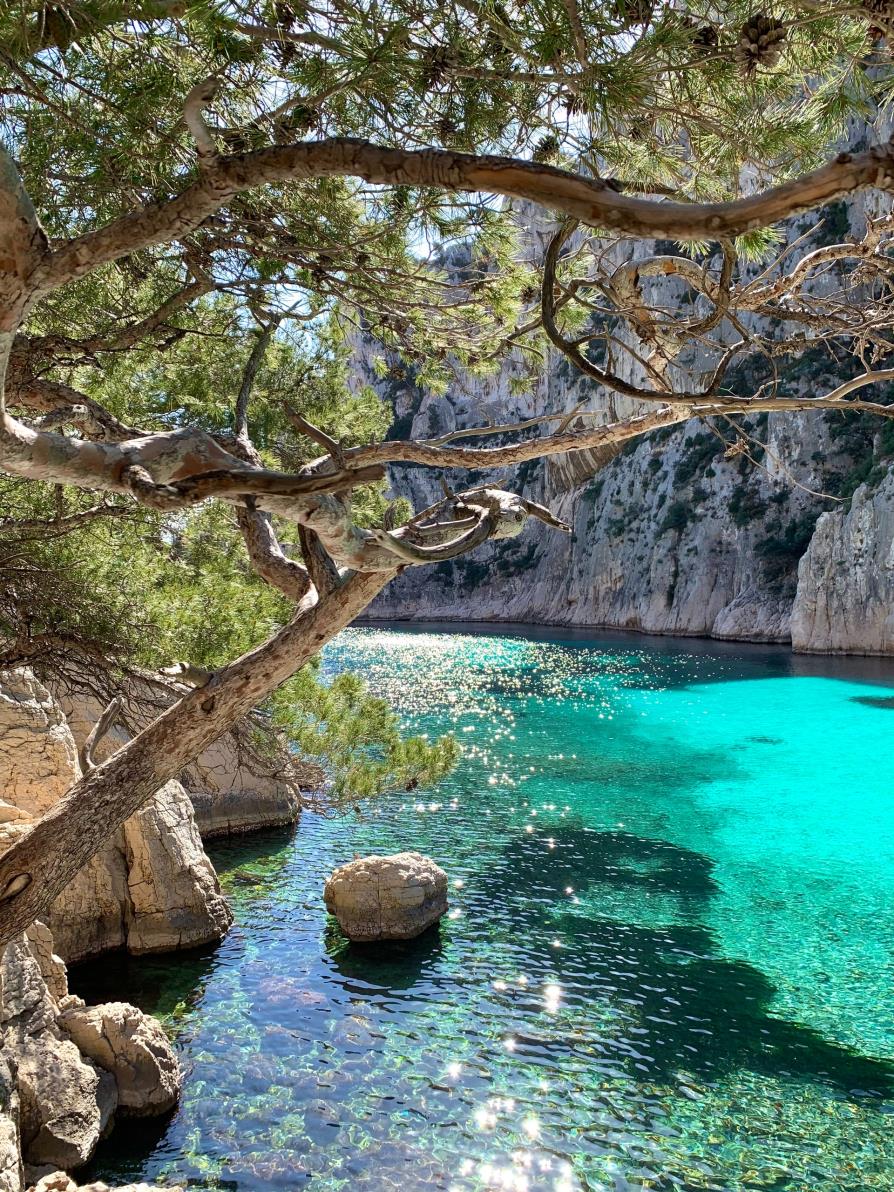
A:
129,1146
163,985
874,701
583,857
697,1012
383,966
685,1007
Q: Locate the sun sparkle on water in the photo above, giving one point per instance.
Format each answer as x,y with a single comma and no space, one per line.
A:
690,988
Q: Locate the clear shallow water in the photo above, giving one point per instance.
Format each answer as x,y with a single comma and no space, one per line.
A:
669,961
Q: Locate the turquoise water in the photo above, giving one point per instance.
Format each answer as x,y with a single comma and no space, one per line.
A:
668,963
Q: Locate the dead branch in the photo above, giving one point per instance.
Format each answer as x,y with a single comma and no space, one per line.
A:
106,721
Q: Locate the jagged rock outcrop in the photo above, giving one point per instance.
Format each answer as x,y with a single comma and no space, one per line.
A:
133,1048
387,898
845,597
230,797
37,751
10,1153
64,1068
65,1101
151,888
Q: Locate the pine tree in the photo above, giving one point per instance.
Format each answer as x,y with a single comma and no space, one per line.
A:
202,206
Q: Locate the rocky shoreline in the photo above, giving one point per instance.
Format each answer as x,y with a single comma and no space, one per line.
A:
68,1070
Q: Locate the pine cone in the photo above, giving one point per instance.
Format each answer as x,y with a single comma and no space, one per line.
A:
435,65
633,12
546,149
574,103
302,118
705,39
760,41
884,10
447,129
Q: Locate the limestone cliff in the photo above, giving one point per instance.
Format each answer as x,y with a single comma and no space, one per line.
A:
232,788
680,532
151,888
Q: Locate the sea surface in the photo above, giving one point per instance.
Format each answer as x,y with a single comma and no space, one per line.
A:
668,962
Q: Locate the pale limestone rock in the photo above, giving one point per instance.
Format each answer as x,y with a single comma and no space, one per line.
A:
845,597
38,758
58,1181
11,1174
175,898
151,888
628,564
382,898
69,1063
133,1048
52,967
232,812
65,1101
230,798
228,795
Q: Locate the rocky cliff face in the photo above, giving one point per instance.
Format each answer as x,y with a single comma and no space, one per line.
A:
681,532
152,888
230,792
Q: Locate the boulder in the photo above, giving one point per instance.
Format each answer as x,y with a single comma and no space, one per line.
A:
132,1047
387,898
58,1181
151,888
62,1065
173,891
65,1101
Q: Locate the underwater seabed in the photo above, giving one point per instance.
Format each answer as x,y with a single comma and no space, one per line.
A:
668,963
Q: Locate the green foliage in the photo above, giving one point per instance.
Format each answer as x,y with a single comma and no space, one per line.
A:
187,592
676,518
745,505
356,737
781,550
700,450
92,108
834,227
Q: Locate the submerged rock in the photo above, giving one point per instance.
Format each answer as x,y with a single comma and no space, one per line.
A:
133,1048
387,898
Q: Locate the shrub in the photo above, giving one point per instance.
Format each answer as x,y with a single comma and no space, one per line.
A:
676,518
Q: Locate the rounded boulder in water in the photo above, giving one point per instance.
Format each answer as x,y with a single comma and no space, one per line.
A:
387,898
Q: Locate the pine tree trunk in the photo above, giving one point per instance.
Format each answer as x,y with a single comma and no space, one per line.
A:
38,867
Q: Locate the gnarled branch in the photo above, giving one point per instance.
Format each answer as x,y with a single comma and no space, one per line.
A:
96,734
593,202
